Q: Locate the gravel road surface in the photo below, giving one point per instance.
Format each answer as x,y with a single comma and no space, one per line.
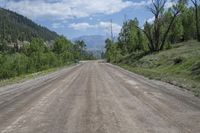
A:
95,97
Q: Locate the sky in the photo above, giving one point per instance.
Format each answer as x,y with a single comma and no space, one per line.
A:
74,18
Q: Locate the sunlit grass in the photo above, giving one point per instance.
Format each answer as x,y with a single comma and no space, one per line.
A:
179,66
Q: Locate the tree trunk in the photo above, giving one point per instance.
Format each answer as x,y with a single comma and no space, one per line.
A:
167,31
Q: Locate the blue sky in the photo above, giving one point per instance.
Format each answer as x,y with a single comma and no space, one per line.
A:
74,18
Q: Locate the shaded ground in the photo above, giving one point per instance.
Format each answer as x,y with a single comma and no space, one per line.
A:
97,98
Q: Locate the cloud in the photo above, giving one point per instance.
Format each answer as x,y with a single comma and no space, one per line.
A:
169,4
151,20
81,26
57,25
91,18
67,9
105,26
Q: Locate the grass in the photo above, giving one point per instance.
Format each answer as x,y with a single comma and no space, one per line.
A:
25,77
179,66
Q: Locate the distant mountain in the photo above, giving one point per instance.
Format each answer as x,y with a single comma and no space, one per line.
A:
15,27
93,42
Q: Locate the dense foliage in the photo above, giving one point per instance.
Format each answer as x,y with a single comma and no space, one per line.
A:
36,56
15,27
170,26
26,47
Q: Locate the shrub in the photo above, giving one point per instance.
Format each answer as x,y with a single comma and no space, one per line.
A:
196,69
178,60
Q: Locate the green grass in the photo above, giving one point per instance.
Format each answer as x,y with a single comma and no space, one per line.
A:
25,77
179,66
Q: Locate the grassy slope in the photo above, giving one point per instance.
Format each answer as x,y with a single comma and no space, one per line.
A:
179,66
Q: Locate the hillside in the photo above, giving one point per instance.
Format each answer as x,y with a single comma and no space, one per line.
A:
179,66
15,27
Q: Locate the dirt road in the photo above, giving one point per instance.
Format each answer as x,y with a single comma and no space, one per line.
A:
97,98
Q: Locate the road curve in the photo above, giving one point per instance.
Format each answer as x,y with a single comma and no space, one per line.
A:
95,97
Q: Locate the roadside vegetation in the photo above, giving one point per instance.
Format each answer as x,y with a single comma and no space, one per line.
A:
25,76
179,66
38,56
26,48
165,48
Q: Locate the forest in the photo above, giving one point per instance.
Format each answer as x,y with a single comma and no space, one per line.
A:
26,47
176,24
37,56
166,48
15,27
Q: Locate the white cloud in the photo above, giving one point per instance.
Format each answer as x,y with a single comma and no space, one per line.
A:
65,9
169,4
81,26
105,26
91,18
151,20
57,25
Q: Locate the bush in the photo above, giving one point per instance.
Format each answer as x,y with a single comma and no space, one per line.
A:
196,69
36,56
168,46
178,60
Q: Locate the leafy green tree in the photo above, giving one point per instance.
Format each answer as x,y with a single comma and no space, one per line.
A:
13,65
3,46
61,45
79,48
113,53
157,34
196,7
37,46
20,64
130,38
176,32
35,51
188,22
123,38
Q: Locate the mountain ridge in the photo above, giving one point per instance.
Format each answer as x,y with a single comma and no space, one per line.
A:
14,27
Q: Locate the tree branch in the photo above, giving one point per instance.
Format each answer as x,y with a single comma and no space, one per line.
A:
168,29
